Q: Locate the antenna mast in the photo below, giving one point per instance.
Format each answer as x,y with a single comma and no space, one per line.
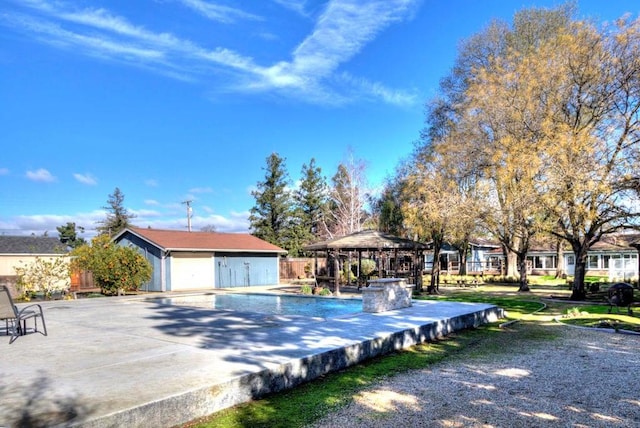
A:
189,212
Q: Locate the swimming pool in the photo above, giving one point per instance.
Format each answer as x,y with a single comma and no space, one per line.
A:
271,304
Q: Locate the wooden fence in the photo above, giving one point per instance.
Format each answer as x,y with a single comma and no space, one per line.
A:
296,268
82,282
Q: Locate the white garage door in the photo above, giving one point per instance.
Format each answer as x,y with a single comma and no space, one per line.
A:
191,271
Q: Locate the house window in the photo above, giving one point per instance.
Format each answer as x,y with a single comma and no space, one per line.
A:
605,261
538,262
593,261
571,259
549,262
543,262
630,261
493,263
428,261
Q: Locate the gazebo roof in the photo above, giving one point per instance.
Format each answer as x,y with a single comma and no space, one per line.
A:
366,240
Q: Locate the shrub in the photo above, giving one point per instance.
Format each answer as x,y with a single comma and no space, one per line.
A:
346,274
306,289
115,268
325,292
502,279
45,276
308,270
574,312
367,266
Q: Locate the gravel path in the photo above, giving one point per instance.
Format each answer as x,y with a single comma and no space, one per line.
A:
583,379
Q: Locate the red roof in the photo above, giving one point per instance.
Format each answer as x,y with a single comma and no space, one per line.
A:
204,241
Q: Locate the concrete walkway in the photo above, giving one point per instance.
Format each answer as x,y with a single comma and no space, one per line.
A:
126,361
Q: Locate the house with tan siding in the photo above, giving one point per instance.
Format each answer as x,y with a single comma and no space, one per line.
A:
20,251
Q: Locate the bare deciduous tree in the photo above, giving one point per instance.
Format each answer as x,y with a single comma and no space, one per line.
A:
346,211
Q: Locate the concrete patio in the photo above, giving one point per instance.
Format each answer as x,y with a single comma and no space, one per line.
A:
127,361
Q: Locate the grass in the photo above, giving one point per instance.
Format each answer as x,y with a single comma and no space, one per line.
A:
599,322
546,280
311,401
516,307
599,317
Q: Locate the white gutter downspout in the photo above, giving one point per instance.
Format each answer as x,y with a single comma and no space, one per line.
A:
163,270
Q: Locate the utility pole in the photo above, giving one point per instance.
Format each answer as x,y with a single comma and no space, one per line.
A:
189,211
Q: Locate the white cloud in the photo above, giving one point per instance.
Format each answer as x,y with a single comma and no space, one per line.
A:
95,45
86,179
376,90
297,6
4,171
217,12
175,207
152,202
47,223
342,30
340,33
41,175
143,214
201,190
114,38
236,222
151,182
251,188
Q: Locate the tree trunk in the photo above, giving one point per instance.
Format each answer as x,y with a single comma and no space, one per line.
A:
435,270
359,277
578,291
559,260
511,260
462,255
522,270
418,265
336,266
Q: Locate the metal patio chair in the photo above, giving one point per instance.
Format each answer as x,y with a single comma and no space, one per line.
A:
16,319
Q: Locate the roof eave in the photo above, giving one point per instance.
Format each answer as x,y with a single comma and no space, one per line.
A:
144,238
37,254
227,250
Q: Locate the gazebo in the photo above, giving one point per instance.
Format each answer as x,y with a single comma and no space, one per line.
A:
394,256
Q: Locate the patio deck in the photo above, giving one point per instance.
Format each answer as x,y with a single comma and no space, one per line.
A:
124,361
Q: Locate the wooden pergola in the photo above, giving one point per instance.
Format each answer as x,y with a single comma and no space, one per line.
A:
394,256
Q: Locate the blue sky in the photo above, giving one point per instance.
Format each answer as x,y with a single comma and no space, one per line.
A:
175,100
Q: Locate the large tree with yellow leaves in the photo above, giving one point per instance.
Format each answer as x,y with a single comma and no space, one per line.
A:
548,111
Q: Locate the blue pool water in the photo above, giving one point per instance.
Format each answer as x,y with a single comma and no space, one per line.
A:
271,304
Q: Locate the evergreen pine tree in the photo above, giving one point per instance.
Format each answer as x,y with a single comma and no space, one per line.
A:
68,235
118,217
270,218
310,204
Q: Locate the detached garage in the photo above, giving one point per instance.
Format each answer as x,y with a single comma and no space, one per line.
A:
204,260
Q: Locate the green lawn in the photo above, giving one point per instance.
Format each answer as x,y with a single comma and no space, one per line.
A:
538,319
